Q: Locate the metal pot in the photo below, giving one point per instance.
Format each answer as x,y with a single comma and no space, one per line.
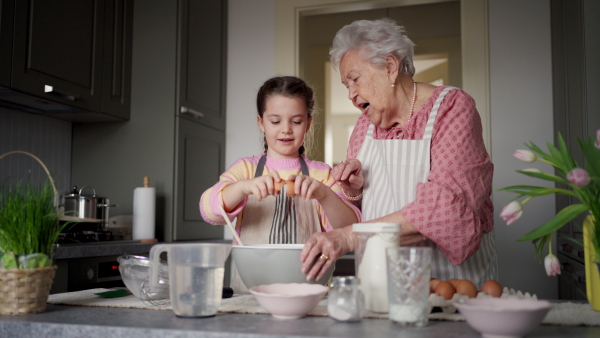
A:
84,207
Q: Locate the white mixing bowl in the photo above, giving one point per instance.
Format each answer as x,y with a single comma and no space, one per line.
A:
272,263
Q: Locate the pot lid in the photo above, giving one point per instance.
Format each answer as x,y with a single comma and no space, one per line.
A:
77,193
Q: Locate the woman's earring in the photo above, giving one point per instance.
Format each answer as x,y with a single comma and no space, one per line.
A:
392,85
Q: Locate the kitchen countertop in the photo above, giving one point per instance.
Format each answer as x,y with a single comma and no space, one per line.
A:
75,321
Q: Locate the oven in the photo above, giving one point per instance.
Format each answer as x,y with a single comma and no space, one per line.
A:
91,265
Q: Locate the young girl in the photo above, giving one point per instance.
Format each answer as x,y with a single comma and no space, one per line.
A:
249,189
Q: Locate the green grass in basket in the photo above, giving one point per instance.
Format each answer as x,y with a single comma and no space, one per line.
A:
28,225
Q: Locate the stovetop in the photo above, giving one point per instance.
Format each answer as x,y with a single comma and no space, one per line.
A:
78,237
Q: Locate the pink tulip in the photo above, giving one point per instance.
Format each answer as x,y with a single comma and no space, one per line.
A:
598,138
511,212
578,177
552,265
525,155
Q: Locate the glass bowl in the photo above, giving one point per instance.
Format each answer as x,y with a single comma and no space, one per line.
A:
135,274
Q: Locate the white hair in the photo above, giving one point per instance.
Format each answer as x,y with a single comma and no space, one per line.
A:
376,39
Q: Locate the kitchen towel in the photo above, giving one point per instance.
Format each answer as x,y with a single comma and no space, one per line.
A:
144,203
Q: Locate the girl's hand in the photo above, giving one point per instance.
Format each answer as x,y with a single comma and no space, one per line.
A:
349,175
262,186
308,188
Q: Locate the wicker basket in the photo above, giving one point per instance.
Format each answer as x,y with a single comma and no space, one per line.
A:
24,291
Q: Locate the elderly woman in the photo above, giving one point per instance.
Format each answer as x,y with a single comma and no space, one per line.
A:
416,157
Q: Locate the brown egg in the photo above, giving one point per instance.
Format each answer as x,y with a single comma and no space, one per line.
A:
279,185
433,282
290,188
492,288
455,282
445,289
467,288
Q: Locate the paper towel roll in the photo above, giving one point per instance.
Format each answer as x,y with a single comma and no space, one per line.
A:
144,202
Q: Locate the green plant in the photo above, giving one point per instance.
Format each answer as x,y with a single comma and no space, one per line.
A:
581,182
29,224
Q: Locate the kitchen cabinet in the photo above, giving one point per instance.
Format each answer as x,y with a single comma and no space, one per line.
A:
575,41
183,155
203,36
200,161
73,54
200,157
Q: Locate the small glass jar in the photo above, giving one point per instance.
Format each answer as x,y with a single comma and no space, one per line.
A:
346,302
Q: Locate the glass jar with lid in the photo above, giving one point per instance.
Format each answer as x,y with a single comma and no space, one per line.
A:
346,301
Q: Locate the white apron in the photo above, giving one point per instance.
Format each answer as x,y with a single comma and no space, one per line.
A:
276,220
392,169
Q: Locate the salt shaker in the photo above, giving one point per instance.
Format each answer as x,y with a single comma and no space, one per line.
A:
346,301
370,242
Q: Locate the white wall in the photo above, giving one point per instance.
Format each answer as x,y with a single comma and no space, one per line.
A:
250,61
521,110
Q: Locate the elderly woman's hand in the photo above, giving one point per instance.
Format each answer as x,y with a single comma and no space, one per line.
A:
322,249
349,174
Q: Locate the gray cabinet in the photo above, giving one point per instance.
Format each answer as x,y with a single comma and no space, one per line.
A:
181,154
202,60
575,51
200,161
76,54
200,145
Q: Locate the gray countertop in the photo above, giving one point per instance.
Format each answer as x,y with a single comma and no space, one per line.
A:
74,321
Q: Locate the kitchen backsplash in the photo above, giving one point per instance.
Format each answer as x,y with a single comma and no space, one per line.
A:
47,138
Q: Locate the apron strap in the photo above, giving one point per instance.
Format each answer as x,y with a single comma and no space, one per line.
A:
260,167
434,111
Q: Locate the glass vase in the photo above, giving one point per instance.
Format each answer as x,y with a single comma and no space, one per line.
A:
592,268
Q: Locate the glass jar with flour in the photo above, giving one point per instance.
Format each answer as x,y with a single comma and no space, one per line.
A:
346,302
370,242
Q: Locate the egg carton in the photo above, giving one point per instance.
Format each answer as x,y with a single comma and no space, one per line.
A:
436,300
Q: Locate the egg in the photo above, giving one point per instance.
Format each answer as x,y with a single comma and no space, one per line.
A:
290,188
433,282
445,289
467,288
454,282
492,288
279,185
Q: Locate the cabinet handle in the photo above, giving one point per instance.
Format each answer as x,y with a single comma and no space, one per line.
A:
567,267
579,276
63,94
191,111
566,248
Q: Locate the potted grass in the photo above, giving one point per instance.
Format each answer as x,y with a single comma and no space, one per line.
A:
29,228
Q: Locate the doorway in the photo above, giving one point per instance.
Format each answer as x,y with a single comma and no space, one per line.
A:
452,29
434,28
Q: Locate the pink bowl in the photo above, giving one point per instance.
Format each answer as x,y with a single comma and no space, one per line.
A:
289,300
501,317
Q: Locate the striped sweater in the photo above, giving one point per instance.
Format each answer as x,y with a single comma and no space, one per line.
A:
245,168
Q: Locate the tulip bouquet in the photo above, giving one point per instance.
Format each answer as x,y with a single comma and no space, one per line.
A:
583,183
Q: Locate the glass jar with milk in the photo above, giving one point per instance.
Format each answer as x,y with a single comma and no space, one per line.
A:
370,242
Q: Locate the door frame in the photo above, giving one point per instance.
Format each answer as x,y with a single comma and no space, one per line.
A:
474,35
